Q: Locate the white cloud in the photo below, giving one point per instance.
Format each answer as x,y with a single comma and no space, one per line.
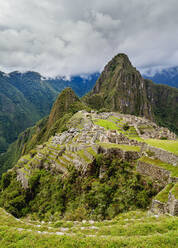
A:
67,37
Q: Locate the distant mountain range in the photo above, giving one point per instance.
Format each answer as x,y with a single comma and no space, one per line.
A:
167,76
27,97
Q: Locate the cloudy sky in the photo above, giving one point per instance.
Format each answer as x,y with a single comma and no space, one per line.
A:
67,37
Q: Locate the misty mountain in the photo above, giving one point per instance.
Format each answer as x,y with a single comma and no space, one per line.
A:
167,76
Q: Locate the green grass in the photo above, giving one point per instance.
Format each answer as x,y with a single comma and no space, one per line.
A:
162,196
114,123
122,147
159,163
91,151
83,156
174,190
168,145
132,230
109,125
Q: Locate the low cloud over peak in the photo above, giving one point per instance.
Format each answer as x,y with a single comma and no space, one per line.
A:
66,37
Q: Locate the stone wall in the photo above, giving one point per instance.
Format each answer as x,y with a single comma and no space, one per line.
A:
162,177
159,174
171,206
158,207
161,154
120,154
22,177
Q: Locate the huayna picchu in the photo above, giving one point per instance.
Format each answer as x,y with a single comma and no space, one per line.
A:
122,88
99,156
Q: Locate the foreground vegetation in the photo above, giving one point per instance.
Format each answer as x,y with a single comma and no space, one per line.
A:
133,229
95,195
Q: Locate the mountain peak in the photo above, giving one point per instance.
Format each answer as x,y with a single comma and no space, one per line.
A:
120,61
122,57
120,88
66,102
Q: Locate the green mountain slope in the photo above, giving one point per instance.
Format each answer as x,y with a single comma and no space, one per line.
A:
164,103
23,101
16,113
27,97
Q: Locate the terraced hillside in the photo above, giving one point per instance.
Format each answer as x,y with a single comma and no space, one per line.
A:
83,171
132,229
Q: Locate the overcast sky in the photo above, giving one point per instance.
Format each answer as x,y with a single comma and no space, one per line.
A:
67,37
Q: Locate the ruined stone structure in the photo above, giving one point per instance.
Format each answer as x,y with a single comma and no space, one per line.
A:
85,138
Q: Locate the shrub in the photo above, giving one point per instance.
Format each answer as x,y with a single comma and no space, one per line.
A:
33,152
150,153
5,181
141,131
34,180
126,127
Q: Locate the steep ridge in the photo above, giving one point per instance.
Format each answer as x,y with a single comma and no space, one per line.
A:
121,88
64,103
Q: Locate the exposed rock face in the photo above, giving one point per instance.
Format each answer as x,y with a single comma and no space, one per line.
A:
122,88
160,175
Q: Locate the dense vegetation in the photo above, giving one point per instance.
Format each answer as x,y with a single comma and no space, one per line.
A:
164,103
78,196
16,113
